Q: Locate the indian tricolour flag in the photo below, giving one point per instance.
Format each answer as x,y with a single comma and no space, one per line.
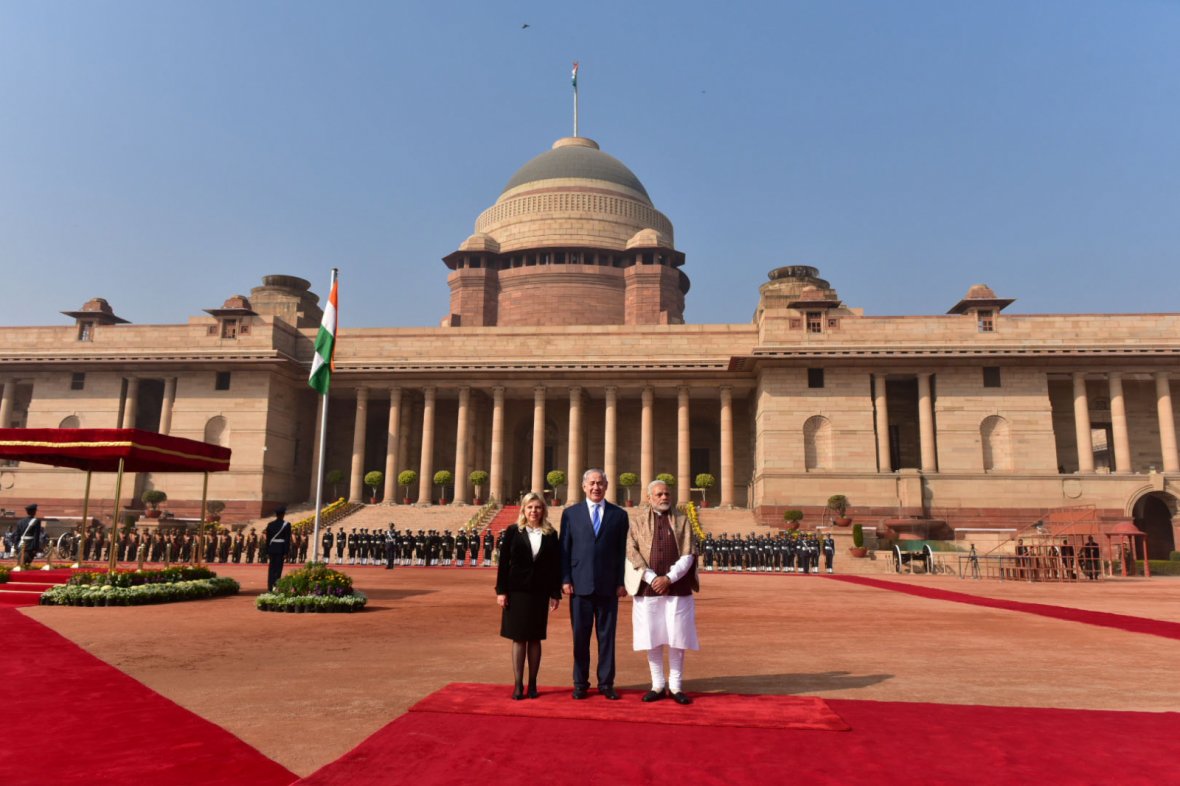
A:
574,75
325,346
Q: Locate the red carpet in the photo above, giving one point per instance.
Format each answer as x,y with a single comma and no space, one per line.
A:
24,587
708,709
1169,630
889,743
74,720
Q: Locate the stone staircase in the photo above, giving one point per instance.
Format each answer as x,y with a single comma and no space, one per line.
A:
24,588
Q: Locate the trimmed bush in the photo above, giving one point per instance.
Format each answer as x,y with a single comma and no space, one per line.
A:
138,595
314,589
136,578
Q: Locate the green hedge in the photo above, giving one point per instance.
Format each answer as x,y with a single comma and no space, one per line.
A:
139,595
311,604
135,578
4,571
1159,567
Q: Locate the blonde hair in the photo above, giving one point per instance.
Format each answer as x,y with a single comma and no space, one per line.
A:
522,521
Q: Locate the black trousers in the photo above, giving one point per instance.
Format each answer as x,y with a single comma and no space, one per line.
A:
597,613
274,570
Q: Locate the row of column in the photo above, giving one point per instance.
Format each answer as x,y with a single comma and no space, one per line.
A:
1118,423
464,440
926,442
126,415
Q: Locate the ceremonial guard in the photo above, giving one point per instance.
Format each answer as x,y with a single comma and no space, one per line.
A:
239,545
27,538
489,543
278,541
390,547
326,541
251,546
448,548
461,548
829,551
340,542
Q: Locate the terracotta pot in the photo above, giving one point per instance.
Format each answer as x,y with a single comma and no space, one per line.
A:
372,500
152,514
406,501
860,552
479,500
630,504
843,521
792,525
556,502
704,503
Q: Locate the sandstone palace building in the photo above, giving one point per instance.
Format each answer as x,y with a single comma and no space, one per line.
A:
566,346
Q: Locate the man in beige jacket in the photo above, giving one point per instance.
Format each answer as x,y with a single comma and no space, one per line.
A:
661,555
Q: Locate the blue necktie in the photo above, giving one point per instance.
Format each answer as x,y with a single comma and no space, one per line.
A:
597,520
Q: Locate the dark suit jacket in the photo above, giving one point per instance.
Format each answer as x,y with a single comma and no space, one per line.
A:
519,571
593,565
280,529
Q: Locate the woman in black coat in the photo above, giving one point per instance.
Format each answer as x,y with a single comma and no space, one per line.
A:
528,587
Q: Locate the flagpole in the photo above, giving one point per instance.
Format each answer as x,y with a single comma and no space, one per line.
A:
319,484
575,81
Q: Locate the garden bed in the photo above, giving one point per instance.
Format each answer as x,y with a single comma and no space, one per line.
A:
138,595
315,589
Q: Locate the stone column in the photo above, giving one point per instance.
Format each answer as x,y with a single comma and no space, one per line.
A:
683,446
1163,403
881,405
167,404
130,404
496,473
426,460
574,464
610,454
356,478
646,443
315,450
537,478
727,479
392,442
461,446
1081,419
7,402
1118,424
926,423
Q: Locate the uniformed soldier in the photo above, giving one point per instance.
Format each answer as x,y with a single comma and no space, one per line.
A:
326,541
251,546
489,543
278,541
448,548
461,548
829,551
353,544
390,547
340,542
27,537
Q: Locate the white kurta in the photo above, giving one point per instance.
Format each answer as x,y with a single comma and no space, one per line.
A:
665,619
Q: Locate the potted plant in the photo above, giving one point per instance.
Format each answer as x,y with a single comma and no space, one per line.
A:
838,504
334,476
374,480
668,480
704,482
479,479
213,509
152,498
858,549
627,480
793,517
405,479
555,478
442,479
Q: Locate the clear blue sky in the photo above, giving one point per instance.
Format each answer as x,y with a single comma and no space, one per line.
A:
166,155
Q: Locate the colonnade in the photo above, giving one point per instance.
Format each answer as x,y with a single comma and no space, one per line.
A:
466,438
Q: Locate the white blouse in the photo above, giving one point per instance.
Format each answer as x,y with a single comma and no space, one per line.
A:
535,534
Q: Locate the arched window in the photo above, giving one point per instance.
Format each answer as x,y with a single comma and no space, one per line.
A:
217,431
997,446
817,443
71,422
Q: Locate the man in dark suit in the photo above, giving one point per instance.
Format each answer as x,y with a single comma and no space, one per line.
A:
278,540
593,552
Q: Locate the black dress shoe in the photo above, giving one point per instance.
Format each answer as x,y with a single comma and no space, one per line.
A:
609,693
518,693
532,694
680,698
654,695
579,693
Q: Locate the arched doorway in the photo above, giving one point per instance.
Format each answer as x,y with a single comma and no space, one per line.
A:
1153,515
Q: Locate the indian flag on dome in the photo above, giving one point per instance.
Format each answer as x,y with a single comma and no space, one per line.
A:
574,75
325,346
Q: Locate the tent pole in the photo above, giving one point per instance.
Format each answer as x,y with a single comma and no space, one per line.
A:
204,498
85,519
115,518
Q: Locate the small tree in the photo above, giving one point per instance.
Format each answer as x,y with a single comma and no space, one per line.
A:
668,480
555,478
334,476
858,536
479,479
213,509
627,480
153,497
442,479
793,517
374,480
704,482
405,479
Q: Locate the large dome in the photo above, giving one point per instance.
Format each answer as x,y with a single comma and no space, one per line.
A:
580,158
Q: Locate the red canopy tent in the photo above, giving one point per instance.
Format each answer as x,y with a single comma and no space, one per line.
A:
115,450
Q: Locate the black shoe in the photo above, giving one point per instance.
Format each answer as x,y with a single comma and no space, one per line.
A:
680,698
532,694
609,693
518,693
579,693
654,695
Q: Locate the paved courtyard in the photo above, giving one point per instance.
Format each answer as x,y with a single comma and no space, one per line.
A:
304,689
